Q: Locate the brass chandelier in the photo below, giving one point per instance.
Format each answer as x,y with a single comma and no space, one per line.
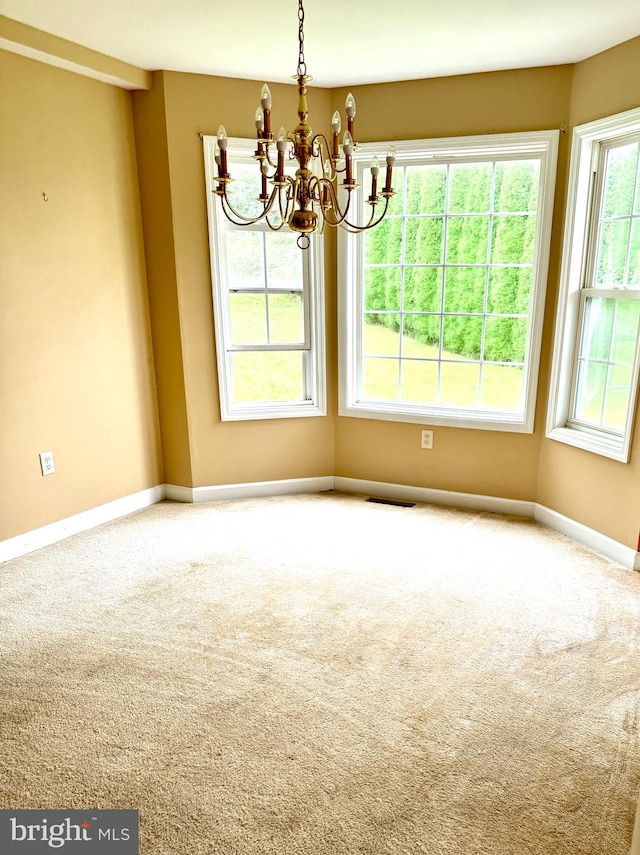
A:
311,199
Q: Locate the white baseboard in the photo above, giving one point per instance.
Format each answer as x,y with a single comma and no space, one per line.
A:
249,490
178,494
618,552
626,556
13,547
435,497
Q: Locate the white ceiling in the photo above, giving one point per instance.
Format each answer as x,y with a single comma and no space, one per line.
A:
346,41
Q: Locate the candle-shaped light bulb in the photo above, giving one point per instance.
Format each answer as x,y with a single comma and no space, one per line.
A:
281,143
223,141
260,120
375,169
265,104
391,159
264,175
347,148
265,98
350,106
336,124
350,110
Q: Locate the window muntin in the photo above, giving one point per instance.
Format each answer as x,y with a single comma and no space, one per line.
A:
265,279
455,280
605,361
618,225
594,387
444,316
268,307
608,325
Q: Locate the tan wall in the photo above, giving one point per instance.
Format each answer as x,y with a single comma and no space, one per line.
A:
607,83
469,461
230,452
155,196
600,493
76,372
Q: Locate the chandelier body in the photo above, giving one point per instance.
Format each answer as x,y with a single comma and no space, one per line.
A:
310,199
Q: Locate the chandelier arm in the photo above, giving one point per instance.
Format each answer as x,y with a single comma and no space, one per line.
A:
289,197
269,175
241,220
275,228
354,228
320,139
320,148
268,156
334,206
342,220
314,185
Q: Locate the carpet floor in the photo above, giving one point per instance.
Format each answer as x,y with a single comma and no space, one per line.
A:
319,675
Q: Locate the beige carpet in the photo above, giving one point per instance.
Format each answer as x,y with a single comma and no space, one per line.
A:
316,674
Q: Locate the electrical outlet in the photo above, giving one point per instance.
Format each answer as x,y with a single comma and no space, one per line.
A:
46,462
427,439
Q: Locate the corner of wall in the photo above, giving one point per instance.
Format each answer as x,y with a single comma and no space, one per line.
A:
149,114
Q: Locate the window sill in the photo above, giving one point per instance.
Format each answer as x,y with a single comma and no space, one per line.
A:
606,446
447,417
273,411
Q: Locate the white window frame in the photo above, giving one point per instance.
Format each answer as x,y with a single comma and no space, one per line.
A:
578,246
241,150
539,144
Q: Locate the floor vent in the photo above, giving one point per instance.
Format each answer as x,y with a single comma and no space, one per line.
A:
395,502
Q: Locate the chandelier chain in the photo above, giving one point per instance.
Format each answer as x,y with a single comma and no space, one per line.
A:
302,65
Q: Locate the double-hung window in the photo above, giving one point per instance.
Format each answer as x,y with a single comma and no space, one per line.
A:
268,304
442,303
595,380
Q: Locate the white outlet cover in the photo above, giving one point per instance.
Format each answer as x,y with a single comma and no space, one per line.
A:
46,462
427,439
